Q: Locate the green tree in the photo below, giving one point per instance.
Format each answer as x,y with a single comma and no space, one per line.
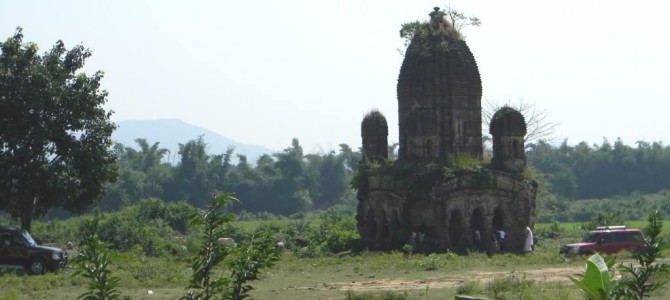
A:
350,157
55,135
291,190
191,180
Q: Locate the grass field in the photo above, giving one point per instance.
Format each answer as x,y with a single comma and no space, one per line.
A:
365,275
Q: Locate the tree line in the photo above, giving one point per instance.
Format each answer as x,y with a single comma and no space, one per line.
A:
598,171
286,182
291,181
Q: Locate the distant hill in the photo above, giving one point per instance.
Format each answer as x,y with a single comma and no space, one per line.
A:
171,132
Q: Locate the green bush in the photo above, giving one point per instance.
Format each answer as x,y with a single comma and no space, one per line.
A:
407,249
470,287
338,240
552,232
432,262
151,224
385,295
310,251
57,231
511,286
336,232
175,214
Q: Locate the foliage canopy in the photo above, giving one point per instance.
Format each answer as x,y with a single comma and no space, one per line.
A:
55,135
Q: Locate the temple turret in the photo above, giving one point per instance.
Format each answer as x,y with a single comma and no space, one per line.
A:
439,97
374,132
508,128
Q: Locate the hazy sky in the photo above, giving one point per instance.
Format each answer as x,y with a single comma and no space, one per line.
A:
263,72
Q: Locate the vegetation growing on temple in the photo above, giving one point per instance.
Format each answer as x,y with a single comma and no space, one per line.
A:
445,24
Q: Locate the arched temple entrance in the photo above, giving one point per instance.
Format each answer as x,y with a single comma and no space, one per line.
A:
476,228
370,224
384,228
456,229
398,237
498,222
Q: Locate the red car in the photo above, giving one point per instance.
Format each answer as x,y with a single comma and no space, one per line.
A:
607,239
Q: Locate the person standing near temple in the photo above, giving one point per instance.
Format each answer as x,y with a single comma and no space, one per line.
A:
528,244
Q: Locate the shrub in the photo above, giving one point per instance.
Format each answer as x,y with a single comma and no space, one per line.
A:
470,287
510,285
150,223
553,232
338,240
336,233
407,249
432,262
385,295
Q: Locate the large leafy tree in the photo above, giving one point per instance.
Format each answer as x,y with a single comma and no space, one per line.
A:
55,135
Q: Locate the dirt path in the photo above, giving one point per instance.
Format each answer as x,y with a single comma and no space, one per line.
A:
544,275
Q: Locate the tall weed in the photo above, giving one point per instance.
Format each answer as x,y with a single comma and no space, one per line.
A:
93,264
243,260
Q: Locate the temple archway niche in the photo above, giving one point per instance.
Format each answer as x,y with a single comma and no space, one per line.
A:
477,219
498,222
476,224
456,229
383,221
396,237
371,224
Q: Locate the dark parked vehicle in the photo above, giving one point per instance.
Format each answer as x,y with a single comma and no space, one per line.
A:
18,250
606,239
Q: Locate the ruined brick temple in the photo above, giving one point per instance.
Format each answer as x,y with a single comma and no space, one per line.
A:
426,190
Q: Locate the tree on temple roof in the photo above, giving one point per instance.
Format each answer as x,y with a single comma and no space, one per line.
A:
443,23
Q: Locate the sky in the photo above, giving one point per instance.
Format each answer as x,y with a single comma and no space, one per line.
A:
264,72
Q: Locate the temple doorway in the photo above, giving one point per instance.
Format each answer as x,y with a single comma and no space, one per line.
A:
457,230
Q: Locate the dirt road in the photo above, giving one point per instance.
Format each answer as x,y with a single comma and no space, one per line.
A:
545,275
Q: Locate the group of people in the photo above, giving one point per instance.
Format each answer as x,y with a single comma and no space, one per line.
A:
497,242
